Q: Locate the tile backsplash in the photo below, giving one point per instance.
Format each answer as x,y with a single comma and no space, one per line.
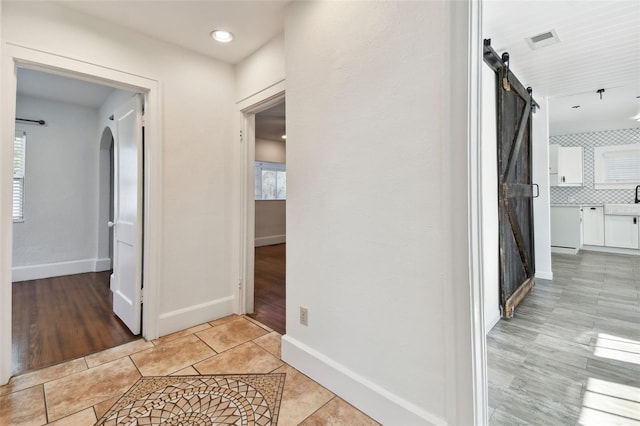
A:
586,194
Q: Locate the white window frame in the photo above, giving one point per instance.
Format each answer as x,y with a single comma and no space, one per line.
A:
629,153
19,167
261,166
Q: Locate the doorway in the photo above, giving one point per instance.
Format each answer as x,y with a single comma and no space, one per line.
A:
61,302
21,57
270,217
270,246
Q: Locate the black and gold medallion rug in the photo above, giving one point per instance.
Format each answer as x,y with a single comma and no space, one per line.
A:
235,399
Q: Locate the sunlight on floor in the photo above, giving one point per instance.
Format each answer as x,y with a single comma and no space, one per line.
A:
618,348
608,403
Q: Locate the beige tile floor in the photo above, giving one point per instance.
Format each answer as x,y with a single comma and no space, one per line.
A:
78,392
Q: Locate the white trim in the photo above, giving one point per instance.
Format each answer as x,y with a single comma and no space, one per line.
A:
616,250
377,402
247,109
612,185
103,264
251,101
464,323
271,240
544,275
14,55
564,250
493,320
181,319
58,269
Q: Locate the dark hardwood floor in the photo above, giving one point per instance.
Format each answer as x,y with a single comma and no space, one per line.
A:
63,318
269,286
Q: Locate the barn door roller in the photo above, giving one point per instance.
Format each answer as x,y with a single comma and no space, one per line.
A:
497,62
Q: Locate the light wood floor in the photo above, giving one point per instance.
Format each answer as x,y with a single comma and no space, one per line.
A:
571,354
270,287
63,318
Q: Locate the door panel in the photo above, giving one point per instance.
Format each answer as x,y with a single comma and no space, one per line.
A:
126,282
515,188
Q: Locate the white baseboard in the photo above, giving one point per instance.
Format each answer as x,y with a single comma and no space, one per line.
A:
544,275
48,270
602,249
372,399
102,265
271,240
564,250
493,319
180,319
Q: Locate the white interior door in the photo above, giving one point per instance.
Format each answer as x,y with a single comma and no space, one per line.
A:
126,281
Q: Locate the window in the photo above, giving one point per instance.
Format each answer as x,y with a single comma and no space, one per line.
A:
617,166
19,149
271,181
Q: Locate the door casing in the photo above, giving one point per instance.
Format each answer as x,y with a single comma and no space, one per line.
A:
15,56
247,234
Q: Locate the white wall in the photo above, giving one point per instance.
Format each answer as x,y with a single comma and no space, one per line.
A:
371,229
271,222
198,278
270,215
262,69
540,175
60,198
259,78
272,151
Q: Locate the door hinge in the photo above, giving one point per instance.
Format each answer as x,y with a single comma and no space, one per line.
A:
141,298
240,285
241,136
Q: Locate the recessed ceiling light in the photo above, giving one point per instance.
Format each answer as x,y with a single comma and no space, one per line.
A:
222,36
284,136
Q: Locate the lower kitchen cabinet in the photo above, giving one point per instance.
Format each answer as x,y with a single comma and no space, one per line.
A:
565,227
621,231
593,226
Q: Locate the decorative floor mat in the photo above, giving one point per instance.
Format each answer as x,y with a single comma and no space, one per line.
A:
235,399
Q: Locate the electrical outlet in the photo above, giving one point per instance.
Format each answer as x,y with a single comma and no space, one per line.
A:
304,316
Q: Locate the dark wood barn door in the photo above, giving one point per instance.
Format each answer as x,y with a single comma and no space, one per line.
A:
515,187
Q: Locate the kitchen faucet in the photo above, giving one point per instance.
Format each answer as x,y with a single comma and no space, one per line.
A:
637,194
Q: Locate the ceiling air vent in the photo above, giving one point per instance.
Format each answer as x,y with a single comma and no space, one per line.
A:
544,39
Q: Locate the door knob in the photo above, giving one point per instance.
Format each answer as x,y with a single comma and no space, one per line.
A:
111,224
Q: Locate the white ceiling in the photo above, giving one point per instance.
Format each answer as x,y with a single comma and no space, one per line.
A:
189,23
271,123
599,48
62,89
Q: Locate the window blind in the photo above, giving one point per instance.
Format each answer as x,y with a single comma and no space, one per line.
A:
616,166
19,151
622,166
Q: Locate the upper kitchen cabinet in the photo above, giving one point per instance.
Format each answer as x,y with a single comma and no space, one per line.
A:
565,165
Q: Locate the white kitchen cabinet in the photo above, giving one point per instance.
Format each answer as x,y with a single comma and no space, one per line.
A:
621,231
593,226
565,165
565,228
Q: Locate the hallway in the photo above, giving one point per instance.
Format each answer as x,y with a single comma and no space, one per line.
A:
571,354
81,391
